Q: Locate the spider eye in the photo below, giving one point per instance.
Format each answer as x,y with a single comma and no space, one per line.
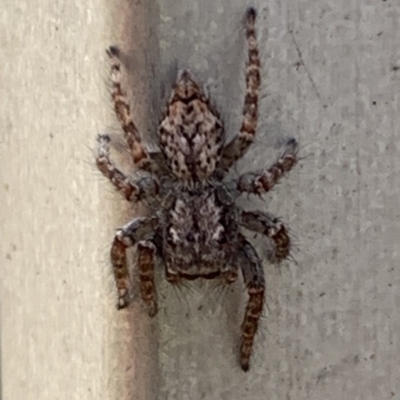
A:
190,237
222,239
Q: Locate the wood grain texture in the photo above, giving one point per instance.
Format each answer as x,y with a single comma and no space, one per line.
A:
62,337
331,78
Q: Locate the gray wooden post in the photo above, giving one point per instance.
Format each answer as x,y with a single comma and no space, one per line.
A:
331,78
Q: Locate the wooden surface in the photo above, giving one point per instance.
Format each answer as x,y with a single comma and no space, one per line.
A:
331,79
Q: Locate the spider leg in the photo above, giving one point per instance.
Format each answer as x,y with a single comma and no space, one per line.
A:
263,182
253,275
126,237
271,227
239,145
132,191
140,156
146,256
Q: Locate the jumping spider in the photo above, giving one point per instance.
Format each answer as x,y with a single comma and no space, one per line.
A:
195,225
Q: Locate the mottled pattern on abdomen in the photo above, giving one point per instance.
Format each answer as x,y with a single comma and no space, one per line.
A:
191,134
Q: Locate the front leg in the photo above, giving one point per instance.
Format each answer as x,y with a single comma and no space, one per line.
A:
146,256
127,237
253,275
263,182
273,228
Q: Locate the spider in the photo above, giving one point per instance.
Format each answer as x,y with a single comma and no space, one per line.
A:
195,226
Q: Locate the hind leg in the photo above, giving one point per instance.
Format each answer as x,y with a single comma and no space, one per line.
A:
140,155
240,144
131,190
259,183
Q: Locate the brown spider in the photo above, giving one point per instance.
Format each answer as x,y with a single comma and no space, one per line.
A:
195,225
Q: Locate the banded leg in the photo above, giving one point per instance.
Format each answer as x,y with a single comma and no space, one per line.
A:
146,256
140,156
126,237
271,227
132,191
239,145
253,275
263,182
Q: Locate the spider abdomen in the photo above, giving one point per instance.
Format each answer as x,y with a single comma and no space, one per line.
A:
191,134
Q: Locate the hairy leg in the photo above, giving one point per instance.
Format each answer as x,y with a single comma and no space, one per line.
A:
263,182
126,237
132,191
146,256
271,227
239,145
229,274
140,156
253,275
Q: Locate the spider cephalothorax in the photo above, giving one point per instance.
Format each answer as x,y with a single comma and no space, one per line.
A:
195,229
